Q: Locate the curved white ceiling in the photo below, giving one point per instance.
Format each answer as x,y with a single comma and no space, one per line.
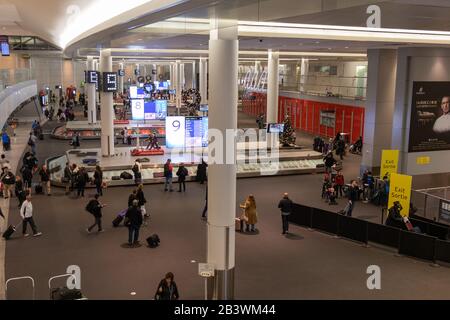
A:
63,22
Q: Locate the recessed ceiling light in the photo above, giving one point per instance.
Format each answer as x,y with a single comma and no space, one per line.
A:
346,47
329,48
317,42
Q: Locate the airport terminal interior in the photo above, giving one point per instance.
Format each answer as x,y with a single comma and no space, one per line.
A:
225,150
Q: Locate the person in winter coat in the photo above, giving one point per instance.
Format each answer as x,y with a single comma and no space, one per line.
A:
285,207
8,181
82,180
168,174
132,197
329,161
45,179
201,172
182,173
95,208
20,190
141,198
340,181
250,215
134,217
167,289
98,180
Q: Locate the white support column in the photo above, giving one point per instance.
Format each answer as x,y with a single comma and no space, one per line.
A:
223,100
304,68
121,79
178,85
171,76
91,93
204,80
182,77
107,109
194,76
272,87
97,93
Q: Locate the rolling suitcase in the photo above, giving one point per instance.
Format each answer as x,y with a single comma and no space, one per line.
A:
118,220
9,232
239,224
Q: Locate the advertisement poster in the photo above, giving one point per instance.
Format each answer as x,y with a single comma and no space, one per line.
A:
430,117
444,211
400,190
389,162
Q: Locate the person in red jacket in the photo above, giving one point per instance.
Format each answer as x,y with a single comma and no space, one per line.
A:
340,181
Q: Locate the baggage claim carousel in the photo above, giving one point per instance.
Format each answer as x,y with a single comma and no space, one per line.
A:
251,162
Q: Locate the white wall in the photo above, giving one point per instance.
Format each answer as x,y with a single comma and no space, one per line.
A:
417,64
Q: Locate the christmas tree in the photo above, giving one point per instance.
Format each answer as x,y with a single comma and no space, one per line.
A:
287,138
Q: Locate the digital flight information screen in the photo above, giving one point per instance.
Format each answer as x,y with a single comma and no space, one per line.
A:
196,132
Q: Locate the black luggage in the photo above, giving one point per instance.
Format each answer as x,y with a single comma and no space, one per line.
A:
153,241
41,136
9,232
65,293
115,178
117,221
126,175
38,189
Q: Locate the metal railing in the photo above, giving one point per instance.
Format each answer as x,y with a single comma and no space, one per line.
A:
428,201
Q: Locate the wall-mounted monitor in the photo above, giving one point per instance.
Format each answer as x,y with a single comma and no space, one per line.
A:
5,48
137,92
175,132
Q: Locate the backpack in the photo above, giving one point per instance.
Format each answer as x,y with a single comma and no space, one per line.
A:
153,241
90,207
135,168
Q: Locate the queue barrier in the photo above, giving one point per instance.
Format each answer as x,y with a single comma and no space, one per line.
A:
417,245
384,235
428,246
352,228
324,220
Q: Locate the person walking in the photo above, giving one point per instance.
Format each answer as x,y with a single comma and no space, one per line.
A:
168,174
4,163
82,180
285,205
8,181
202,172
27,177
250,214
6,140
19,190
94,207
32,143
98,180
353,195
26,213
329,161
134,217
182,173
45,179
167,288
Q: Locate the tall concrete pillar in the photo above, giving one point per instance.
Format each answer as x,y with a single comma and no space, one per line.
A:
272,87
97,93
204,80
194,76
107,109
91,94
223,100
380,103
304,67
178,87
121,67
171,76
182,77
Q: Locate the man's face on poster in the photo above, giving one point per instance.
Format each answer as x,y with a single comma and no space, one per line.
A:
445,105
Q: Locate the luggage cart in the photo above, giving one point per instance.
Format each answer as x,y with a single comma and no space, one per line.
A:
17,279
67,275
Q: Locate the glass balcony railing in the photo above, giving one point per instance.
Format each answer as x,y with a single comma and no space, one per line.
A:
10,77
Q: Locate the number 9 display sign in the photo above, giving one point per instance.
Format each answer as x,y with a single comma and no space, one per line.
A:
175,132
